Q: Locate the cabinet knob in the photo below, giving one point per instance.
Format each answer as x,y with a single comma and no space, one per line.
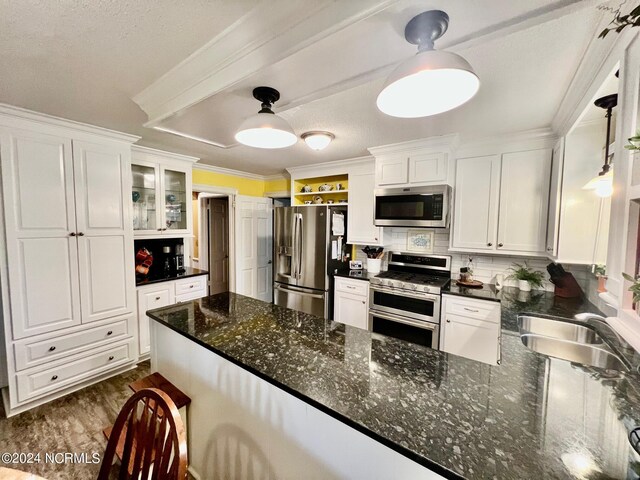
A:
363,302
375,238
500,245
159,229
72,234
157,298
111,357
81,234
190,286
109,332
489,244
52,348
55,377
448,321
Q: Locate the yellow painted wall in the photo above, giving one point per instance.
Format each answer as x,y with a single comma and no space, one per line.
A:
280,185
245,186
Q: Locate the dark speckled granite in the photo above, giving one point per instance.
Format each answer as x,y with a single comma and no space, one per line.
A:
532,417
188,272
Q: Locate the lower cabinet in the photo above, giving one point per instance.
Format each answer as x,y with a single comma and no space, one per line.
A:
351,302
471,328
161,294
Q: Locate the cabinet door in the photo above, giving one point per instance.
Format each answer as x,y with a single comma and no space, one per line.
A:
145,192
175,201
428,168
39,214
471,338
524,199
351,310
148,299
476,202
392,170
105,243
360,227
555,195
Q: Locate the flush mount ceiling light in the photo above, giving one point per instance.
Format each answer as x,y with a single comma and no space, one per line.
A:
602,184
265,129
317,140
432,81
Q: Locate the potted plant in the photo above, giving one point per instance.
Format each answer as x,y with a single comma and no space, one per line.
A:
526,276
634,288
600,271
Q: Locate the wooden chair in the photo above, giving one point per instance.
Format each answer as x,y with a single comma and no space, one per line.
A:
149,436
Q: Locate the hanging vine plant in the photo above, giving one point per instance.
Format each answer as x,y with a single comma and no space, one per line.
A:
620,22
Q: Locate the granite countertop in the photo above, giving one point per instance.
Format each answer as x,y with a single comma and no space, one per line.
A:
530,417
188,272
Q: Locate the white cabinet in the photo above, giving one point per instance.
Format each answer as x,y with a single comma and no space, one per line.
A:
476,202
161,294
428,168
555,191
392,170
161,193
501,203
360,227
351,302
471,328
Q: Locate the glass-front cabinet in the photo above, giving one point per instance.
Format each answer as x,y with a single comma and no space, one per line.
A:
161,196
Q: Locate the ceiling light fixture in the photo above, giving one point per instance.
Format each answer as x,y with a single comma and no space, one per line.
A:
430,82
602,184
317,140
265,129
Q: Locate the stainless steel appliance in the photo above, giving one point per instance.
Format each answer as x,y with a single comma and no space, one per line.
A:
404,302
413,206
308,244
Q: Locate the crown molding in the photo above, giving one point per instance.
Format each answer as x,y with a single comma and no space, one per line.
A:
449,142
538,138
18,113
277,176
346,163
227,171
163,153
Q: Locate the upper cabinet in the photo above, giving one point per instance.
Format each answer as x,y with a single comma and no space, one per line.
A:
161,192
501,202
360,227
421,162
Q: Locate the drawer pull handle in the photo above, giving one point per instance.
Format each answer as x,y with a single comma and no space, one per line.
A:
157,298
109,332
52,348
470,310
111,357
55,377
350,287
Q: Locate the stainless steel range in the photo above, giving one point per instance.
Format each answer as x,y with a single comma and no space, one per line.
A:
404,302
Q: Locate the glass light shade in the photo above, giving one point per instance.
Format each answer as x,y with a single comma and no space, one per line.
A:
266,130
428,83
602,185
317,140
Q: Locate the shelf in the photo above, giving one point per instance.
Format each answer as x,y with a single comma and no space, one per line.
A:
134,188
330,192
335,204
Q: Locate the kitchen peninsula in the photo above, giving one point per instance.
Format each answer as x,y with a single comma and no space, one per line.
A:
289,395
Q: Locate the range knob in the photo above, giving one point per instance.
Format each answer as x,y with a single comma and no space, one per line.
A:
411,286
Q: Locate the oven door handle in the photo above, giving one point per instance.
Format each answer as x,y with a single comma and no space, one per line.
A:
405,293
406,321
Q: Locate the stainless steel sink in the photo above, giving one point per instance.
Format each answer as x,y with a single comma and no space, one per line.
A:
558,329
568,341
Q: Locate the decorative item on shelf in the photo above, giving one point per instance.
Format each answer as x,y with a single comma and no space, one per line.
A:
431,81
317,140
339,186
144,260
329,202
308,202
343,200
317,200
374,258
602,184
325,187
526,276
135,196
634,289
419,241
466,277
171,198
306,189
266,129
600,271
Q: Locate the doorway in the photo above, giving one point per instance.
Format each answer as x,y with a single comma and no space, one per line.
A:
218,243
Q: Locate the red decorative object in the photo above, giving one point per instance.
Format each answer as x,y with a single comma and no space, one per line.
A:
144,260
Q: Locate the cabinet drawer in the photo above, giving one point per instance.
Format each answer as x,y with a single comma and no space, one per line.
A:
354,287
188,285
482,310
29,353
187,297
43,381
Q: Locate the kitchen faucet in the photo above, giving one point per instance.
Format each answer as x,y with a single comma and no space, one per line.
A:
585,317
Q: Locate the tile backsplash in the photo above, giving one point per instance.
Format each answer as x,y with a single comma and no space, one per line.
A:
486,267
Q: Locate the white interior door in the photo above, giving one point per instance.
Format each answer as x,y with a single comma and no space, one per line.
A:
253,252
218,248
40,219
105,240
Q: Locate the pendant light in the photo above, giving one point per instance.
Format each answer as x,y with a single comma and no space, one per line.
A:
317,140
602,184
265,129
430,82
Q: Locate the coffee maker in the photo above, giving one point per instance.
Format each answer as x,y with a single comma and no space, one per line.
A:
178,258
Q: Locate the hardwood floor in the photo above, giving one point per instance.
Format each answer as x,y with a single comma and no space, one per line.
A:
72,424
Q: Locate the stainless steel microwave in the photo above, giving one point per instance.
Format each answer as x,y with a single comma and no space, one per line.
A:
413,206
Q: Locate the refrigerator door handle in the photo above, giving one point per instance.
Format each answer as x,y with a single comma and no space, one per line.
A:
300,253
294,256
298,292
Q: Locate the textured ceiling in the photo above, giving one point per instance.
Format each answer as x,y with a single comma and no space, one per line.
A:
85,60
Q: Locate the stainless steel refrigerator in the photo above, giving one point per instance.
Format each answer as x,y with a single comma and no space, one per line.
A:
308,244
